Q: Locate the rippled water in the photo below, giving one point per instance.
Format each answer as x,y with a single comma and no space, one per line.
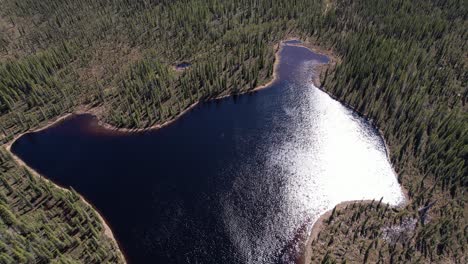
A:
233,181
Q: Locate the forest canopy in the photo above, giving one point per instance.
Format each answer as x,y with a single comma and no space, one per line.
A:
402,64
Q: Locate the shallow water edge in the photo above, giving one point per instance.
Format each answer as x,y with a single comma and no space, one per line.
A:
86,110
110,128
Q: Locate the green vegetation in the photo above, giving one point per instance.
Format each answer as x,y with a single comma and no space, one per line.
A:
405,67
119,56
40,223
403,64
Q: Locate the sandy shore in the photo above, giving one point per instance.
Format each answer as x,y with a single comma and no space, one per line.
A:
97,112
318,227
45,126
93,111
107,229
277,48
319,69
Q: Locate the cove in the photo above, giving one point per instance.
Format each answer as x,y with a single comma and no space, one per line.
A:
235,180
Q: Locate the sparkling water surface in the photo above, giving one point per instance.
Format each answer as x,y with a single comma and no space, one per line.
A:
235,180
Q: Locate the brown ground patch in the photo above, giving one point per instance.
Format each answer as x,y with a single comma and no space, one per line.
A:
8,34
107,60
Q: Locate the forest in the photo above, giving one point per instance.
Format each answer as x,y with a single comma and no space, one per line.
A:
402,64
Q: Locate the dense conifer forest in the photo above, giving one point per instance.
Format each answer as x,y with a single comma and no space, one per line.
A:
43,224
402,64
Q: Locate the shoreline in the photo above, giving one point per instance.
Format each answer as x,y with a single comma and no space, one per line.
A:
107,230
387,147
278,47
274,77
186,110
317,227
48,124
92,110
318,70
95,110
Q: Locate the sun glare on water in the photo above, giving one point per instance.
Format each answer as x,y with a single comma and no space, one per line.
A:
333,156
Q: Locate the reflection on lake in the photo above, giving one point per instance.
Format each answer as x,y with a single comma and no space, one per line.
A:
232,181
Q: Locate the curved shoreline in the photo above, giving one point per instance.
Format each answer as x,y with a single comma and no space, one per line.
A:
317,226
277,47
387,147
318,69
90,110
107,230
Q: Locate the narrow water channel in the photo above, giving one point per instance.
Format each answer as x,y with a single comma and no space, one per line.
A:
232,181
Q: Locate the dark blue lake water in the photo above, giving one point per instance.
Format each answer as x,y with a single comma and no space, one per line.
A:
236,180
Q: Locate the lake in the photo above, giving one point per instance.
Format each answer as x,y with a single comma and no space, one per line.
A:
235,180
